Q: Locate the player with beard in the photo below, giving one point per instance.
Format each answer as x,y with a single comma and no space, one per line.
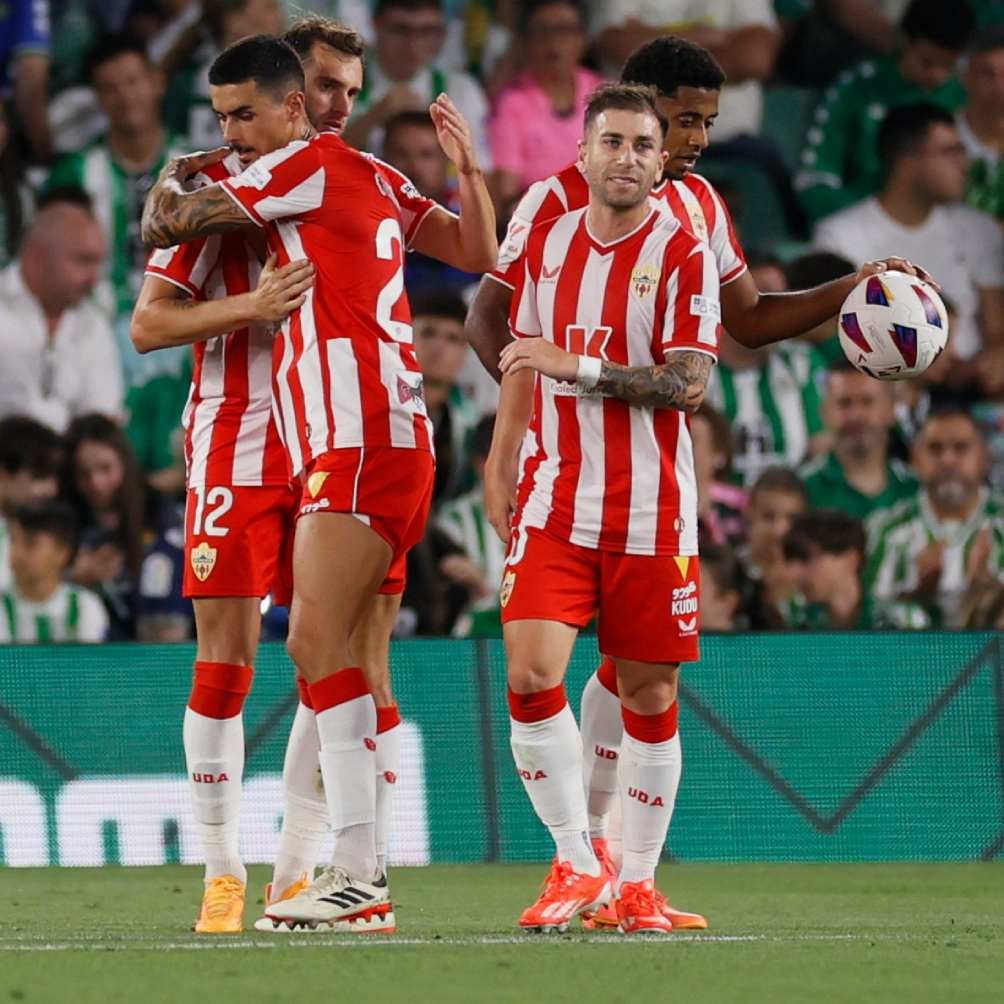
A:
231,402
688,80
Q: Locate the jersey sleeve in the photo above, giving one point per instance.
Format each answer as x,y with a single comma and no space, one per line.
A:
412,204
542,201
186,266
288,182
693,309
724,243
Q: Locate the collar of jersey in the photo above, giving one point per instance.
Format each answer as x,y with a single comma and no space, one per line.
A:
620,240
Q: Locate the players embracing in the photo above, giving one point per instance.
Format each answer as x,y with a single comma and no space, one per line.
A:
335,394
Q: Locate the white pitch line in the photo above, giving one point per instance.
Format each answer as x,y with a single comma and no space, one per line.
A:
374,941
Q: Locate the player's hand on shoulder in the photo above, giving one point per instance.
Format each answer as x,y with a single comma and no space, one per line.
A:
280,291
540,355
895,264
181,169
454,134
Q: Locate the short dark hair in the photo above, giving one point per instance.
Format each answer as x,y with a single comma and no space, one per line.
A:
623,97
828,530
721,433
109,47
948,25
815,268
904,130
382,6
53,516
669,62
950,409
65,195
530,7
720,564
27,445
307,31
412,117
840,364
439,303
270,62
988,39
779,479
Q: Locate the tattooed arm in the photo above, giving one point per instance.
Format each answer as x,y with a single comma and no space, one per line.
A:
679,383
173,215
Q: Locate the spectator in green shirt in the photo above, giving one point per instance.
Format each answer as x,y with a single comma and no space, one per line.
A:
981,122
815,269
840,162
857,475
828,547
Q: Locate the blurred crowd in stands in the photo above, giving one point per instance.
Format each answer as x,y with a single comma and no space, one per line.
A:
849,130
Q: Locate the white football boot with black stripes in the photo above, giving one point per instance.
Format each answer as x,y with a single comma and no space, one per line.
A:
335,901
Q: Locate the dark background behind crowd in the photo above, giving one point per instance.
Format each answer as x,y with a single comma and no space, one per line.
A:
849,130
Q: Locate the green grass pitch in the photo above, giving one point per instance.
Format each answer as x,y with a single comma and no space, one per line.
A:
780,933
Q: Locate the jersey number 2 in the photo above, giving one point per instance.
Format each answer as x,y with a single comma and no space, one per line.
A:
387,233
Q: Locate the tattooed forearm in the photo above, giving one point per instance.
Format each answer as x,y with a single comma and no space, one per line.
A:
679,383
172,215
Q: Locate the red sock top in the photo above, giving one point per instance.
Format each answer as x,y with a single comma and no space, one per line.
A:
388,717
304,688
537,706
651,728
219,689
339,688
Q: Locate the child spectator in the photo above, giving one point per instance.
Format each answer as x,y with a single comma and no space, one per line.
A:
39,607
720,503
815,269
30,457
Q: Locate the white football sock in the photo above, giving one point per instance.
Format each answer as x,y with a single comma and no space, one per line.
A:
305,812
214,755
548,756
348,766
602,727
649,778
388,764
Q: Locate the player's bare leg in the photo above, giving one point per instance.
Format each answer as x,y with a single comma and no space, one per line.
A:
227,630
548,753
339,563
649,772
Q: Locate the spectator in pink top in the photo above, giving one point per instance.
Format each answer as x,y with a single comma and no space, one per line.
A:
537,119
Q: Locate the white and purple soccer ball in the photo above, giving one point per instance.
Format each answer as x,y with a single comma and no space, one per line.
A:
893,326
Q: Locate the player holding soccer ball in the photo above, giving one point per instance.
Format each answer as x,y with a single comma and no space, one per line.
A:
229,417
616,318
688,80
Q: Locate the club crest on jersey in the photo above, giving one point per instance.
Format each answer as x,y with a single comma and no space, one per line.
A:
406,392
203,560
508,581
316,482
644,280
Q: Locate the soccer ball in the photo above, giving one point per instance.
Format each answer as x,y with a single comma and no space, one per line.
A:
893,326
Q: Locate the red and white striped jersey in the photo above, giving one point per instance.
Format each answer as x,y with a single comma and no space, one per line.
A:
595,470
693,201
230,436
344,368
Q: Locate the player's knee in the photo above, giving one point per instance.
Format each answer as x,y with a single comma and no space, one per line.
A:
530,677
649,693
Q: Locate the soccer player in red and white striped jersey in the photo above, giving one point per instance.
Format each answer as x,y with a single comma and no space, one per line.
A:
617,320
232,382
688,79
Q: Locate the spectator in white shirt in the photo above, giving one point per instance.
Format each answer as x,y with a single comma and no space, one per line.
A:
402,74
743,35
918,214
59,353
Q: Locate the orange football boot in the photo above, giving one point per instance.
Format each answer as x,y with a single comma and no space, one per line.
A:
638,910
222,906
565,895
